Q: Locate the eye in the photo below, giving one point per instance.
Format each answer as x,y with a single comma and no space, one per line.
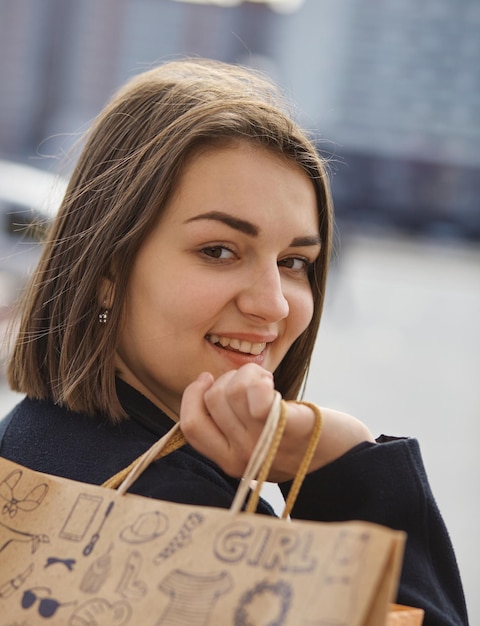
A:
297,264
218,252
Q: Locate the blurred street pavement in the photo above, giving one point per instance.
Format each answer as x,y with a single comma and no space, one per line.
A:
399,347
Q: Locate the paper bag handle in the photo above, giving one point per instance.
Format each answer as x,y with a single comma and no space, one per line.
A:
124,479
262,457
258,467
266,450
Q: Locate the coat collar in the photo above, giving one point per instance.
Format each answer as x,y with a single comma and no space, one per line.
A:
142,410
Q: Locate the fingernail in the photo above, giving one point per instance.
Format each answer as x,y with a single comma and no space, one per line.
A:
205,377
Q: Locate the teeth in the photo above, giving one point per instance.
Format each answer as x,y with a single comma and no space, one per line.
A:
257,348
246,347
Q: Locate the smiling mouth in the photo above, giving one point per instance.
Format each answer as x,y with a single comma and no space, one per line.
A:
237,345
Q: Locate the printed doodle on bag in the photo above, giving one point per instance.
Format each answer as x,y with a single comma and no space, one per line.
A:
9,587
280,548
97,573
343,570
41,599
147,527
266,601
193,596
53,560
130,586
9,535
88,549
100,612
80,517
13,501
181,538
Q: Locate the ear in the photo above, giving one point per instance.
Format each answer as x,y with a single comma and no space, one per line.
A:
106,293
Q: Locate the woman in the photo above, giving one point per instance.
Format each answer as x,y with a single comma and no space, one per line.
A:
184,279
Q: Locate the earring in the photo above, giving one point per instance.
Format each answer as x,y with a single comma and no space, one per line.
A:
102,317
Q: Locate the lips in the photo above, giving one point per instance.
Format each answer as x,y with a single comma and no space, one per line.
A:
238,345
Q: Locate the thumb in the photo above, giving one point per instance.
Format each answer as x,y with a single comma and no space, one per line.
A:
205,379
193,398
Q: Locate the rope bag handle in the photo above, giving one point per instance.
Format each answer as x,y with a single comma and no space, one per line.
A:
257,468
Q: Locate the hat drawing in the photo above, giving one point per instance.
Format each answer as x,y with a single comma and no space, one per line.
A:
147,526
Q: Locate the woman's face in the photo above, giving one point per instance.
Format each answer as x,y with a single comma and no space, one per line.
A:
222,280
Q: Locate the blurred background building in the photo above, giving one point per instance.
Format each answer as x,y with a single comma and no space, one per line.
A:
390,90
391,87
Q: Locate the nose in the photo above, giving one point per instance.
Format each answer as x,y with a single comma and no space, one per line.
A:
263,297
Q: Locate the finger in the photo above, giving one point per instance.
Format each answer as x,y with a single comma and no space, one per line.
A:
226,415
260,396
199,428
245,394
252,391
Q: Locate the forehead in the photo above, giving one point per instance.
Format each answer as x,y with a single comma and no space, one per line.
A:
247,180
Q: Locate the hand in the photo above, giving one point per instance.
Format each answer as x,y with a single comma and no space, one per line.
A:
223,420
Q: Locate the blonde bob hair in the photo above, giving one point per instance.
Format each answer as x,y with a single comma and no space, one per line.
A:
132,160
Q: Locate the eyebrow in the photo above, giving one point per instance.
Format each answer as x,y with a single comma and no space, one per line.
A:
250,229
234,222
300,242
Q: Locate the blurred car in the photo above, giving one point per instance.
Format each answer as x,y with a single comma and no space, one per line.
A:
29,198
414,196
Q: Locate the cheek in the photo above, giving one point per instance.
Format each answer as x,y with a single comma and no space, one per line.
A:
190,304
301,311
